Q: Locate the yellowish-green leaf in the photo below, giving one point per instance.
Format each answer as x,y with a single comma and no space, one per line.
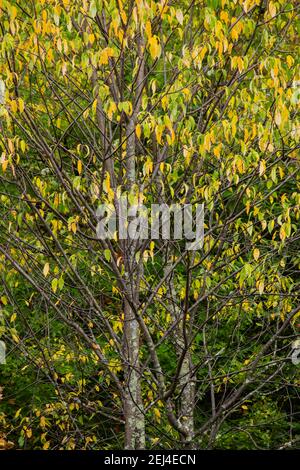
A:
46,269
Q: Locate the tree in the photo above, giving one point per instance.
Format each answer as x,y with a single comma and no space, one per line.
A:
164,103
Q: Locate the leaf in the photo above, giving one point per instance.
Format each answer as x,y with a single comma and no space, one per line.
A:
262,167
179,16
138,131
148,29
256,254
14,106
46,269
154,48
272,9
107,255
15,337
290,61
105,55
157,414
91,38
5,445
261,286
21,105
54,285
278,118
282,233
13,13
73,227
43,422
18,413
61,283
106,183
93,9
13,317
271,226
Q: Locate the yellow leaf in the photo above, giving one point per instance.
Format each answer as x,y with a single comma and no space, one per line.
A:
86,113
179,16
112,109
91,38
14,106
256,254
15,338
186,92
207,142
50,56
73,227
13,317
43,422
240,64
5,445
21,105
278,118
224,16
158,132
275,70
261,286
240,165
106,183
79,166
4,164
138,131
105,55
13,13
155,48
46,269
272,9
290,61
202,52
46,445
282,233
148,29
262,167
157,414
164,102
54,285
217,150
123,16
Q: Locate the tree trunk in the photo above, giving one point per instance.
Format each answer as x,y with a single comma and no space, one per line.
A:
134,413
186,380
187,402
133,407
